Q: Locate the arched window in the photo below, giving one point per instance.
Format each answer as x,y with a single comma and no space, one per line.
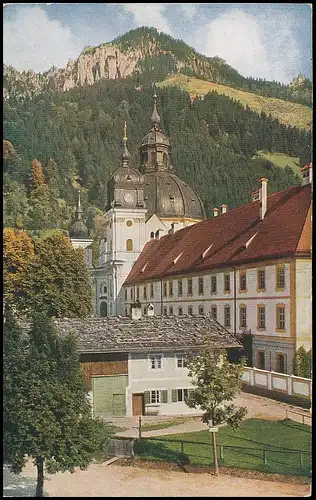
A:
157,234
103,309
152,234
153,158
129,245
103,289
165,159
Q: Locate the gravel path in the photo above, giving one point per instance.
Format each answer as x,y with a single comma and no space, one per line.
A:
116,481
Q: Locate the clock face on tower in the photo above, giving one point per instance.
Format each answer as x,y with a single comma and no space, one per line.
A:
129,198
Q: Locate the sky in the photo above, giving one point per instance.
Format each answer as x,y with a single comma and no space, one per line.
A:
263,40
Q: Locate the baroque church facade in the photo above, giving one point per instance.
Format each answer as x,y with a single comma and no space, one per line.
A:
144,203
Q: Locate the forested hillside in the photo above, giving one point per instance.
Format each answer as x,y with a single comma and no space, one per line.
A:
75,138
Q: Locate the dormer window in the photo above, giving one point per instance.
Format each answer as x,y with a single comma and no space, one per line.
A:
128,178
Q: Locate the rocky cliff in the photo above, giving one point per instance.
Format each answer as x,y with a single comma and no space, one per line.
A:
110,61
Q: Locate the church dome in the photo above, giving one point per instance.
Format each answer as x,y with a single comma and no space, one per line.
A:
155,136
166,195
125,175
78,230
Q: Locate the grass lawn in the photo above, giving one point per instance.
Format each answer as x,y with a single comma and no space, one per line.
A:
278,438
280,160
165,424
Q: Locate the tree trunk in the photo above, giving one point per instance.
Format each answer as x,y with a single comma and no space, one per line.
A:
216,471
40,477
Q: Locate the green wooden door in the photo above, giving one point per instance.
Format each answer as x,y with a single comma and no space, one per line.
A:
109,396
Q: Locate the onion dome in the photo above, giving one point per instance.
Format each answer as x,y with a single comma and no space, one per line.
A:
79,230
168,196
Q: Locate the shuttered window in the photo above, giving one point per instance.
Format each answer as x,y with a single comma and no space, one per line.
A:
156,396
178,395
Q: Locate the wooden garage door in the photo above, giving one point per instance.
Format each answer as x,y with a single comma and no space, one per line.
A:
109,396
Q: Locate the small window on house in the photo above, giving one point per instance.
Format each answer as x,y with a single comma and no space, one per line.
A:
145,292
214,312
243,316
180,311
226,282
170,310
105,290
165,311
280,363
280,277
201,309
129,223
181,361
170,288
261,360
155,397
125,294
151,290
137,293
155,362
280,316
182,394
242,281
126,312
261,317
157,234
201,286
132,293
261,277
190,310
165,289
227,316
180,289
129,245
214,284
152,234
189,286
145,311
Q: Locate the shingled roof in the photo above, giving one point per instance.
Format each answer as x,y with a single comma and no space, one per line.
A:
235,237
147,334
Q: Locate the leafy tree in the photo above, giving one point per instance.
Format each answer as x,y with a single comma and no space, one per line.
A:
216,383
59,281
46,413
18,251
302,363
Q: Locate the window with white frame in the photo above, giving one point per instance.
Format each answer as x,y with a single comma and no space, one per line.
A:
227,316
180,289
242,316
170,310
190,287
151,290
165,311
214,312
226,282
280,316
125,294
190,310
137,293
145,292
201,286
182,394
201,309
170,288
181,361
155,361
165,289
280,277
214,283
180,311
155,396
261,317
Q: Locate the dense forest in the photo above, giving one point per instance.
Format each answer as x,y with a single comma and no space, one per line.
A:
59,141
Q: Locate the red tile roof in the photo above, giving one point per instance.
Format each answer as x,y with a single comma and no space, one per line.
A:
228,235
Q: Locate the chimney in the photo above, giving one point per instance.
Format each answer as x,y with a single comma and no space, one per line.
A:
215,212
223,209
150,310
136,310
307,173
255,195
263,197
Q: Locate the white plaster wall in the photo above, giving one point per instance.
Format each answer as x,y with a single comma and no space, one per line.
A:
303,281
279,383
142,378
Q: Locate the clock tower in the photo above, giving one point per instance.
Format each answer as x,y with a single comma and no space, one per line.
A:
125,233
